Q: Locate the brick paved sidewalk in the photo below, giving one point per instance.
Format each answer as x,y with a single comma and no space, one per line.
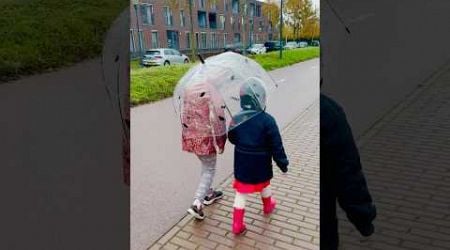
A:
406,161
295,222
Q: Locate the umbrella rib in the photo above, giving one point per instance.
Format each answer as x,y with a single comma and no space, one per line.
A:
338,16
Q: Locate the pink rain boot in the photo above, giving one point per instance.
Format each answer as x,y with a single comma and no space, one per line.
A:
268,205
238,221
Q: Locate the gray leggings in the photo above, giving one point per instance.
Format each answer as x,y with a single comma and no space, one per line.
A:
207,176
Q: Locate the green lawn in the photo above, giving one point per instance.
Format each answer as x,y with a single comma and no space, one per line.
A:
156,83
271,61
41,35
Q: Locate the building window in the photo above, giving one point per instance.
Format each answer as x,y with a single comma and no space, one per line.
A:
215,41
237,37
239,24
132,45
155,40
212,40
222,22
232,22
201,4
139,40
188,40
213,5
197,42
235,6
182,18
225,39
172,39
212,21
203,40
258,10
225,5
168,18
252,10
148,17
201,16
260,26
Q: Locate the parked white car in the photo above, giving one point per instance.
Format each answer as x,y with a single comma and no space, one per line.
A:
257,48
166,57
291,45
302,44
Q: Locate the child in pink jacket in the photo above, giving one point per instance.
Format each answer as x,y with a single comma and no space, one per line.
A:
204,134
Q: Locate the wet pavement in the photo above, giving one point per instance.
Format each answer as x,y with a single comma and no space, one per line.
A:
164,178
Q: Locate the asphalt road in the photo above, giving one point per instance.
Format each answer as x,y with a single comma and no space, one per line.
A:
164,178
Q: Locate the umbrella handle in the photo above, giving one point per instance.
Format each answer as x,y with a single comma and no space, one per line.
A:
201,58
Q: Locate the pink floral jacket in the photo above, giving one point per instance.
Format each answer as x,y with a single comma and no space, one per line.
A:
203,120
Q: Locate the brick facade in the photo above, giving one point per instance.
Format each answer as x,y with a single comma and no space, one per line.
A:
160,30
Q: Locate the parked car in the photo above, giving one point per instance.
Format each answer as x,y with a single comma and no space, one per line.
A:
302,44
315,43
159,57
291,45
272,45
257,48
235,47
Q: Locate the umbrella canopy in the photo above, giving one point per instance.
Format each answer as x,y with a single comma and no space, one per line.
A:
234,86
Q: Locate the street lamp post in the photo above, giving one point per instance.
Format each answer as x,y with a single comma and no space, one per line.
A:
281,28
191,35
136,4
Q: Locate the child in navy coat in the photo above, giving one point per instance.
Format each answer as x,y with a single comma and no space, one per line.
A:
257,141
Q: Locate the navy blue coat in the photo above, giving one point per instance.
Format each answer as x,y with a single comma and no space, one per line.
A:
257,141
341,177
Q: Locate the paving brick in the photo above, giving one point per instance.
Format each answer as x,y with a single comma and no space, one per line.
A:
297,235
183,243
184,235
296,218
284,225
168,235
221,240
241,239
415,245
203,242
406,165
170,246
305,244
286,246
259,238
155,247
195,231
278,236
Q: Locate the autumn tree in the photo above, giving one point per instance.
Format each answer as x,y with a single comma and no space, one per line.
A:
271,10
293,8
302,17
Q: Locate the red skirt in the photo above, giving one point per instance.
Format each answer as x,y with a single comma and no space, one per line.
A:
246,188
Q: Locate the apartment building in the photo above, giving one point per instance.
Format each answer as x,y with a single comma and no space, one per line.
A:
216,23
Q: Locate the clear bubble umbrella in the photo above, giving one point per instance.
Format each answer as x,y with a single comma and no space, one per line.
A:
226,87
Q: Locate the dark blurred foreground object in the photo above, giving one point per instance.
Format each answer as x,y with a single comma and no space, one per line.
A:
341,177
